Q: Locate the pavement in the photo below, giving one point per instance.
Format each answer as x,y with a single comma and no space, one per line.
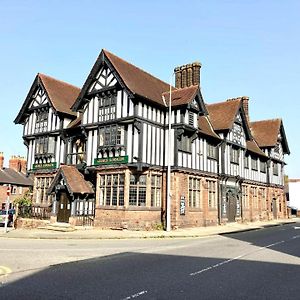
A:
96,233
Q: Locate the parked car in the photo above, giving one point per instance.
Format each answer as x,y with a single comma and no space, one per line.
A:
3,215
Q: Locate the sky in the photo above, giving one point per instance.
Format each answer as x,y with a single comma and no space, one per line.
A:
246,48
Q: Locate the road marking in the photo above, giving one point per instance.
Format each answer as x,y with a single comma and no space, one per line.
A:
296,227
296,237
4,270
233,259
135,295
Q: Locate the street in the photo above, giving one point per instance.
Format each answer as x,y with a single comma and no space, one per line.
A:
258,264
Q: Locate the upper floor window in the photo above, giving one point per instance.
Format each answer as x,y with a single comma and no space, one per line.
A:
111,136
41,123
234,155
107,106
191,118
275,168
246,161
45,145
263,167
254,163
211,151
184,144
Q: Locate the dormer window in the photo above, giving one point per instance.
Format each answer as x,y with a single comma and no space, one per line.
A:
41,123
234,155
191,118
107,106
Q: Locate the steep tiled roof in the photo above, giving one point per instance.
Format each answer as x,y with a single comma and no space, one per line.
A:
10,176
138,81
222,115
266,132
75,182
62,95
253,147
181,96
205,127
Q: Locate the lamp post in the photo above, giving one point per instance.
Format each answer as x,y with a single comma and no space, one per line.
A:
7,207
168,206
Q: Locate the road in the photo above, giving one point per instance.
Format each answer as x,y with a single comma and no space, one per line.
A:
260,264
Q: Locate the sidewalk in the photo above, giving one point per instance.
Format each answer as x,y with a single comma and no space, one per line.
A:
94,233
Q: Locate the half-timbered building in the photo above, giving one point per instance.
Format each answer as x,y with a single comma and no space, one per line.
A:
101,153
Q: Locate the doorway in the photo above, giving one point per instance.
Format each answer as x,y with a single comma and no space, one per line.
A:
64,208
274,208
231,205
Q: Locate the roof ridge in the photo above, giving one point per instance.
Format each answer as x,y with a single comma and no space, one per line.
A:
140,69
267,120
224,101
53,78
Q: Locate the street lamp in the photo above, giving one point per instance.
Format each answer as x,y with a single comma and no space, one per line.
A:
168,206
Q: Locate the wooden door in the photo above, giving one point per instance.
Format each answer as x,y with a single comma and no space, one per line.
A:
231,200
64,208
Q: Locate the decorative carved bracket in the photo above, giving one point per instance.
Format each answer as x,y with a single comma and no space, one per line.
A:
138,125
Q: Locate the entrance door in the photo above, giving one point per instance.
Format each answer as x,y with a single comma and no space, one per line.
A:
274,208
231,200
64,208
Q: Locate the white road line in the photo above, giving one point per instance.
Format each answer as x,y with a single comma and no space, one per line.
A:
233,259
296,237
135,295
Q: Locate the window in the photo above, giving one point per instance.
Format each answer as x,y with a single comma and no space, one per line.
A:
41,122
155,190
184,144
275,168
211,151
191,118
254,163
245,198
45,145
234,155
262,193
112,189
211,186
263,167
137,190
42,185
13,190
194,192
253,191
107,106
111,136
246,161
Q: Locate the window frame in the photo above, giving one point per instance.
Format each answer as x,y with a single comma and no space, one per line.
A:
137,190
194,192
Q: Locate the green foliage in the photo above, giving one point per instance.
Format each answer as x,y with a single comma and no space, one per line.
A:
24,200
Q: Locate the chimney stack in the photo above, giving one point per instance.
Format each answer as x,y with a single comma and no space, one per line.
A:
187,75
245,101
1,160
18,164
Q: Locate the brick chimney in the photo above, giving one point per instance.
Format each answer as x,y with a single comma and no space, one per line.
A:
187,75
18,164
1,160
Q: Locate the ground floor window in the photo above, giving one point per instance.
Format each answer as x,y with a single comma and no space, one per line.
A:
212,197
194,192
245,197
112,189
155,190
137,190
42,185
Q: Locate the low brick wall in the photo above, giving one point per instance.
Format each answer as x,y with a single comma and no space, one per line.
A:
129,219
30,223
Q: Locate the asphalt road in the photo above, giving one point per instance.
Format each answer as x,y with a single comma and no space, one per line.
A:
260,264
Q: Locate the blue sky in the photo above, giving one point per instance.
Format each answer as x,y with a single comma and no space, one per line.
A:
247,48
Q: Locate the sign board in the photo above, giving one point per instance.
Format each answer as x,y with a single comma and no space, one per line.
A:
182,205
111,160
44,166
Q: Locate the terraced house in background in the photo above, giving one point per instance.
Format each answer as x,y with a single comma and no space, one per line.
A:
99,154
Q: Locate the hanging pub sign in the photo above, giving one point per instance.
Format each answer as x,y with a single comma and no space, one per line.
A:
182,205
111,160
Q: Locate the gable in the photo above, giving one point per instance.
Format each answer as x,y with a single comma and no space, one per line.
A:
39,98
103,79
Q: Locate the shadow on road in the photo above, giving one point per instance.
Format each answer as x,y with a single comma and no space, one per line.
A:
155,276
